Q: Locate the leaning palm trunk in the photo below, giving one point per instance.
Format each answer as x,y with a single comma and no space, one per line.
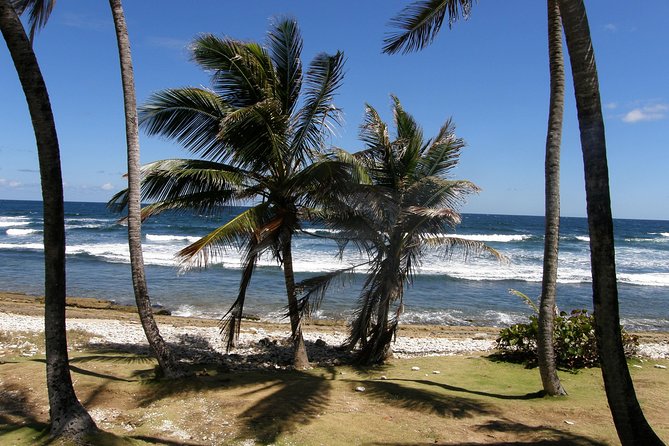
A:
300,357
632,426
546,350
68,416
163,354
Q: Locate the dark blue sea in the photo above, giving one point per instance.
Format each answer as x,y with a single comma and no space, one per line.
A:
448,291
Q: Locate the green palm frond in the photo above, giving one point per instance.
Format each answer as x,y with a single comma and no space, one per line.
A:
191,116
257,134
38,13
442,153
286,48
319,115
420,22
242,72
448,245
438,192
236,232
409,141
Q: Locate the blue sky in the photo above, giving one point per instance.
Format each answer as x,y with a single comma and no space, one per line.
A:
489,73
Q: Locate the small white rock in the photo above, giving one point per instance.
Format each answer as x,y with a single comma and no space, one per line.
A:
660,366
415,369
568,422
435,372
383,377
637,366
359,389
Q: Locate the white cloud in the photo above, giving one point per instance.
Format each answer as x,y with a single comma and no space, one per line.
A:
647,113
10,183
611,105
107,186
611,27
169,43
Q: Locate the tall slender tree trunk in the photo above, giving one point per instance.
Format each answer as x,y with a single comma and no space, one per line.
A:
632,426
300,358
546,350
68,416
165,358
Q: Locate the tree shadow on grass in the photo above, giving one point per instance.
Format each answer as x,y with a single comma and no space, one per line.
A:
17,412
427,401
289,399
527,396
525,434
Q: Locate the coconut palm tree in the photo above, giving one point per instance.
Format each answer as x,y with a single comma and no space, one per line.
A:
546,351
418,25
260,140
630,422
166,360
403,207
68,416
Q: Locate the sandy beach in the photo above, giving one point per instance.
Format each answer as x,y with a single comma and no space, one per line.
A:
261,344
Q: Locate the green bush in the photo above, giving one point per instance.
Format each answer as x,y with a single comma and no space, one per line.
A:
574,341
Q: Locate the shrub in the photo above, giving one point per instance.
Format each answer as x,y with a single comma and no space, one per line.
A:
574,341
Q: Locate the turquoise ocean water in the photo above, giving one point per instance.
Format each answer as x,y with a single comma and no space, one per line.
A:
445,291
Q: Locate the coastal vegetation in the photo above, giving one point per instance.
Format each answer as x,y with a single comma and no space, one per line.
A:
404,205
260,132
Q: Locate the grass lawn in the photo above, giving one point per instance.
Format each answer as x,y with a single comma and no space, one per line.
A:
472,400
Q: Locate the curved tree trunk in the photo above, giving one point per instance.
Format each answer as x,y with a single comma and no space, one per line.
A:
632,426
165,358
300,358
546,350
68,416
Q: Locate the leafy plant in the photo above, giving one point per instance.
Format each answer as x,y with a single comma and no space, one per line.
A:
574,340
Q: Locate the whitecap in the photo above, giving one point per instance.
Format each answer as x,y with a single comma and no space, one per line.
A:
583,238
171,238
21,232
502,238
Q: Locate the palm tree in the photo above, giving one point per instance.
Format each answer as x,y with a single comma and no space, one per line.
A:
403,207
68,416
546,351
259,139
630,422
166,361
419,25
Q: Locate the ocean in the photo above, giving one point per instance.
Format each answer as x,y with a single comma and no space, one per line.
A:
445,291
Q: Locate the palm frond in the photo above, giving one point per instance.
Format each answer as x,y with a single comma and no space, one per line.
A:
420,22
257,135
286,48
190,116
235,232
314,288
409,142
242,72
449,244
319,115
38,13
231,321
442,153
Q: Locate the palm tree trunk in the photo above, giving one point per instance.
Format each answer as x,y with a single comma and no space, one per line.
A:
632,426
300,358
68,416
165,358
546,350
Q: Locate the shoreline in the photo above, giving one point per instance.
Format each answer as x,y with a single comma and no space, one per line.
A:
105,324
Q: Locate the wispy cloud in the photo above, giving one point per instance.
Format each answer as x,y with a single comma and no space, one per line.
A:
611,105
170,43
82,21
9,183
107,186
29,170
610,27
653,112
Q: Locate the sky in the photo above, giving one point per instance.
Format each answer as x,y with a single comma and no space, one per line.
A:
488,73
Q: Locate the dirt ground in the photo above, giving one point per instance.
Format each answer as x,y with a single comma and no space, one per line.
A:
463,400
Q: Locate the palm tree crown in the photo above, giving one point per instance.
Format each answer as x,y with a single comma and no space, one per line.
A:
403,206
259,132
